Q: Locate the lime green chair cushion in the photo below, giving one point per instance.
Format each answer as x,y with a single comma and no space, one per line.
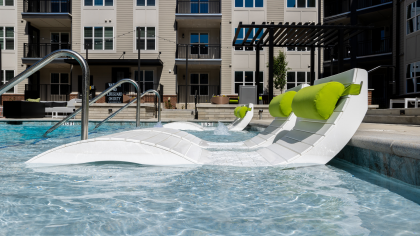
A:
33,100
281,105
317,102
236,111
242,112
352,89
233,101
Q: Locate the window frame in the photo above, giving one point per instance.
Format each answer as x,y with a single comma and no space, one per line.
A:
145,4
244,1
5,38
415,18
94,5
296,4
296,82
243,80
255,30
3,80
143,82
4,4
145,38
199,84
199,43
103,38
414,77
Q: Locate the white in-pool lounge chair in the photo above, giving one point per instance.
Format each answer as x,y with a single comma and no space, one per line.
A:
310,142
243,115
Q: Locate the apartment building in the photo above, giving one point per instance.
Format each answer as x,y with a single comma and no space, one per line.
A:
176,37
370,48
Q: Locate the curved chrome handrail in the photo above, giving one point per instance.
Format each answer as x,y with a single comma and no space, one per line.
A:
45,61
128,104
96,99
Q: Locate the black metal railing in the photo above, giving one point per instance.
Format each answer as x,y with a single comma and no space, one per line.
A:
202,51
198,6
373,47
39,50
47,6
204,93
370,3
336,7
48,92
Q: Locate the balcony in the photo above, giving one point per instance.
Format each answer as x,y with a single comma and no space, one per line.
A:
365,48
48,92
47,13
33,51
198,10
199,54
371,3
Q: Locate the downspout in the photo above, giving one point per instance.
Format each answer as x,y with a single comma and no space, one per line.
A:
397,56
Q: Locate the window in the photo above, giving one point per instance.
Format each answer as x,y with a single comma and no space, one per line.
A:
242,35
102,38
413,17
199,43
7,38
413,78
249,3
199,82
199,6
148,42
248,78
7,3
296,78
146,79
60,41
299,49
98,2
142,3
5,77
300,3
60,84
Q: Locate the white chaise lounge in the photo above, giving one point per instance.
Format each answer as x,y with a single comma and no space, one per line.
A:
312,141
240,123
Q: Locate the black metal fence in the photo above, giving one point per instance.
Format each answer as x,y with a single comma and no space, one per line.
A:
198,6
204,93
47,6
38,50
202,51
369,3
373,47
332,8
48,92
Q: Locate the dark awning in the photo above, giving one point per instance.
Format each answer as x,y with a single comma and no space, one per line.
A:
118,62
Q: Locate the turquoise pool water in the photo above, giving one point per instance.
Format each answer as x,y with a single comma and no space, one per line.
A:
127,199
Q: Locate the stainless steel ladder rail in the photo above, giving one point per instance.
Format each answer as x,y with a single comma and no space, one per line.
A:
128,104
96,99
45,61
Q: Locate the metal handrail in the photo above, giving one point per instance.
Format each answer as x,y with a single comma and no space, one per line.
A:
96,99
45,61
128,104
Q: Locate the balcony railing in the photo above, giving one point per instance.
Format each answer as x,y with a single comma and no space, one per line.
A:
204,92
48,92
34,50
199,51
198,6
47,6
336,8
373,47
365,48
370,3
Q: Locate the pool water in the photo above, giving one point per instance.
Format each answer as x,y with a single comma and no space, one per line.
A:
129,199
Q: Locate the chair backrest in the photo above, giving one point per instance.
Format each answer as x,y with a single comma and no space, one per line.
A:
346,78
72,102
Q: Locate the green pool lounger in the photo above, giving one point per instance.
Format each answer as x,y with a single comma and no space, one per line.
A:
328,114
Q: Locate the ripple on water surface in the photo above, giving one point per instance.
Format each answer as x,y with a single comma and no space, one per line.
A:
126,199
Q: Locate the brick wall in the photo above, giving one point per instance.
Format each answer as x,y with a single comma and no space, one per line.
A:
370,97
12,97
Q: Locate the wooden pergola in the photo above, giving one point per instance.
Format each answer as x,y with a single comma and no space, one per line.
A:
309,35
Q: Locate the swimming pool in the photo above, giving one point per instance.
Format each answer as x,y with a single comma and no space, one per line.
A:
127,199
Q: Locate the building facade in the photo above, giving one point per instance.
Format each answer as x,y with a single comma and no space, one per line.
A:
106,33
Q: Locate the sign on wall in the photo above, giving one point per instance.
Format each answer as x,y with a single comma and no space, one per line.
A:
116,95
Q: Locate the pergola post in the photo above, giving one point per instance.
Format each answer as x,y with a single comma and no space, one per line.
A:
340,50
138,78
270,64
312,64
186,76
257,67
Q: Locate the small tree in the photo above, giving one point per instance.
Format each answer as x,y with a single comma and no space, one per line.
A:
280,70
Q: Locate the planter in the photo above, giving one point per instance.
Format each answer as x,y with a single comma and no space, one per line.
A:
219,100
